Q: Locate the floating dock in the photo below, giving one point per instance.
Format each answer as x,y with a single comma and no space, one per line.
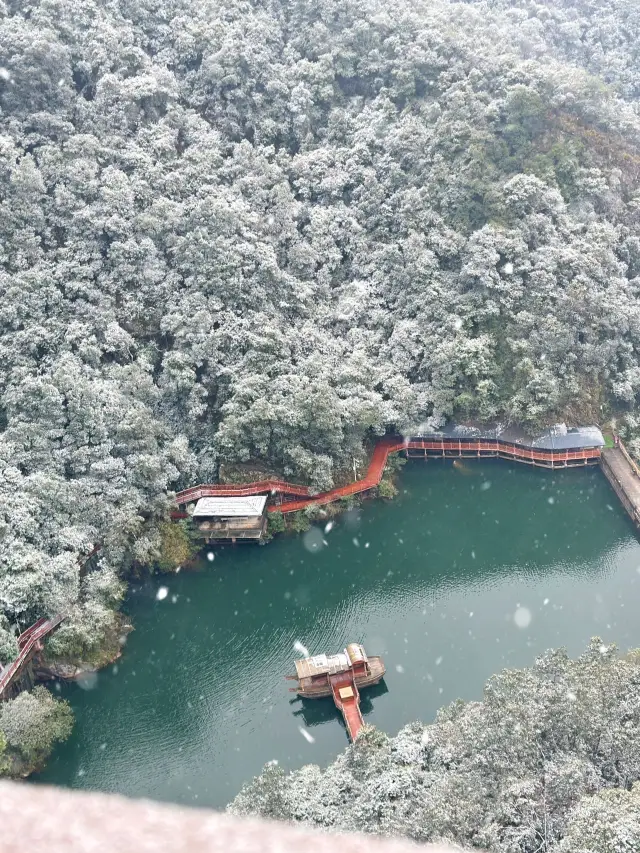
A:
339,676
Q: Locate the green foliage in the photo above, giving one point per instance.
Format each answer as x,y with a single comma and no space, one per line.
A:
5,763
8,642
347,503
299,522
92,633
387,489
178,545
31,724
546,758
395,464
276,523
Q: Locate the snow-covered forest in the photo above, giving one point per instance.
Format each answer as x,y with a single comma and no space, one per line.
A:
270,230
547,761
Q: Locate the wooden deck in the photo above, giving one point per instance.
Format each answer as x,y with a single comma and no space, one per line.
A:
349,705
623,474
308,691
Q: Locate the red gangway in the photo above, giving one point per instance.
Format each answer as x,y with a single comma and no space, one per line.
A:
391,444
347,699
28,642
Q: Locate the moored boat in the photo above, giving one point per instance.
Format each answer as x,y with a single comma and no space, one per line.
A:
314,674
339,676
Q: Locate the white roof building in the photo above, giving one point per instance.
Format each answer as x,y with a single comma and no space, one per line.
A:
233,507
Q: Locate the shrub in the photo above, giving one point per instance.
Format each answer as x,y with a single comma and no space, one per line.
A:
386,489
275,523
8,643
299,522
32,723
178,545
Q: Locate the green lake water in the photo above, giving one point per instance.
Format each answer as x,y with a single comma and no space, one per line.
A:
466,572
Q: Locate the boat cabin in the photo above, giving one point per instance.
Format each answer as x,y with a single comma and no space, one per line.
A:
230,519
315,674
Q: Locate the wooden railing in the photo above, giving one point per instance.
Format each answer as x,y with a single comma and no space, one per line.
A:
626,455
387,445
27,644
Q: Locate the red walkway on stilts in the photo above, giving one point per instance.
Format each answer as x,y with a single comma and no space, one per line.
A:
28,643
392,444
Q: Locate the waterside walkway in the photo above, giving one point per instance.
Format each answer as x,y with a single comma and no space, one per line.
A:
441,447
624,475
29,643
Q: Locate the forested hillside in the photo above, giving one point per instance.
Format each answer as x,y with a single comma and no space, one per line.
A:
268,230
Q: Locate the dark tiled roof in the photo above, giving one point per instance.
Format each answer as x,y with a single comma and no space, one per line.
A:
558,437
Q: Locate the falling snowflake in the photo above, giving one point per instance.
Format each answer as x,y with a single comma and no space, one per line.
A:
306,735
162,593
313,540
328,527
399,668
87,680
211,556
303,650
522,617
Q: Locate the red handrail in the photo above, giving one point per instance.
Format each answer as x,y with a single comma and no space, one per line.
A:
387,445
26,643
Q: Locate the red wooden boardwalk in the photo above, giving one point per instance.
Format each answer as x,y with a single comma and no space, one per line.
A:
28,643
387,445
349,706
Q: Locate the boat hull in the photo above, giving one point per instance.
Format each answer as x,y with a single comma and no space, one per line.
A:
319,691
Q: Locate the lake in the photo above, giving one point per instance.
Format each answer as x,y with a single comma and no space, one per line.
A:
468,571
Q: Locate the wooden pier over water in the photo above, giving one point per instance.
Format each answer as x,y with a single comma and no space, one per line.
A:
624,475
446,448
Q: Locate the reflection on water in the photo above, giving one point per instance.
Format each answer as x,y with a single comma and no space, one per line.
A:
457,578
315,712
